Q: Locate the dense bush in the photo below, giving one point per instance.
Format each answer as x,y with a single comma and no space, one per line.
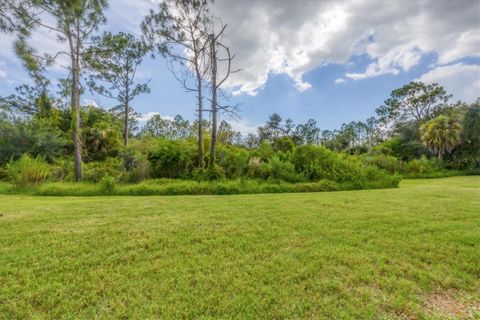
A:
210,173
264,151
95,171
385,162
62,169
172,159
233,160
283,144
27,171
136,165
422,168
35,137
276,169
320,163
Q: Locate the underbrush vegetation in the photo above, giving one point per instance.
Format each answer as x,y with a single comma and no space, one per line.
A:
168,168
108,186
27,171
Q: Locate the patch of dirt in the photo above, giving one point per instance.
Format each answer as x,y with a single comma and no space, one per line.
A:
450,305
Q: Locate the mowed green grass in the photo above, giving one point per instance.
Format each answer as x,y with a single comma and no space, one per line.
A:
372,254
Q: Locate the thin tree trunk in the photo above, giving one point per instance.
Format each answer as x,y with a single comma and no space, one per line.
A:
75,109
213,146
125,130
200,121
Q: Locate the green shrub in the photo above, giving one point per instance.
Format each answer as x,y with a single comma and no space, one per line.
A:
107,185
317,162
3,174
172,159
95,171
233,160
276,169
283,144
255,167
136,165
264,151
385,162
210,173
418,167
62,169
27,171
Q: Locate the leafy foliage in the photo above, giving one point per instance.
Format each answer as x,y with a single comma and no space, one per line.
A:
27,171
441,135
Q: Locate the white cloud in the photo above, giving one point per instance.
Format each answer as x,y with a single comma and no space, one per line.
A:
244,126
339,80
462,80
3,73
272,37
90,102
285,37
147,116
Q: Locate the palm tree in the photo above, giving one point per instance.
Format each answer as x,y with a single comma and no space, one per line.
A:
441,135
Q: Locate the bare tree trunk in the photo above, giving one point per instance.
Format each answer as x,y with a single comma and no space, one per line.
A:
125,130
213,145
75,108
200,121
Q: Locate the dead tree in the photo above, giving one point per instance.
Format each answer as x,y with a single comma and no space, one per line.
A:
218,53
181,24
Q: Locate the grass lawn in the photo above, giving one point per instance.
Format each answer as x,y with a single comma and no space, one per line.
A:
411,252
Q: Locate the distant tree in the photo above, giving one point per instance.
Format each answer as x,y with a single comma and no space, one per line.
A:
441,135
226,134
307,133
373,132
252,141
326,135
272,129
114,63
175,129
289,127
414,101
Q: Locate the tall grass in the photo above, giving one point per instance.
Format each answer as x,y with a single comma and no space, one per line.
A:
27,171
192,187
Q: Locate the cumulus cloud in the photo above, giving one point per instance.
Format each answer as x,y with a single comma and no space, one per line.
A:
147,116
294,37
243,126
462,80
272,37
90,102
339,80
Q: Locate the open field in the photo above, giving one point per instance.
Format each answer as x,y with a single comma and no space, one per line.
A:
411,252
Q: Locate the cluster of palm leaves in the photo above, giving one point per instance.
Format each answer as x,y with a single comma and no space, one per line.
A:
441,135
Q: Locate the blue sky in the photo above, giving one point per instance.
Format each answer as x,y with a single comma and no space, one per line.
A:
331,61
